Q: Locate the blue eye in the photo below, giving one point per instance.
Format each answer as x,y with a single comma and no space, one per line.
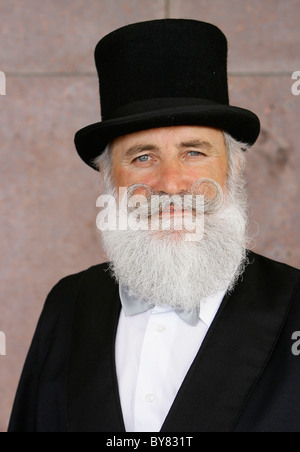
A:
143,158
194,153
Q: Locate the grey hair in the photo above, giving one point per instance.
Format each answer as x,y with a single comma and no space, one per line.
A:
236,153
103,162
236,157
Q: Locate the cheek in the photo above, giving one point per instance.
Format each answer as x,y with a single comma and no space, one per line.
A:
124,177
219,175
215,172
218,171
223,175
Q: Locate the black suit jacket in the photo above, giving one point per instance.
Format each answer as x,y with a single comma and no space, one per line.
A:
245,377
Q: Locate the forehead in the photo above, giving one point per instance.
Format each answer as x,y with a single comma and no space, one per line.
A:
170,136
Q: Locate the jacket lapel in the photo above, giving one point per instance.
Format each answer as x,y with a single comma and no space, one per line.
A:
93,403
233,355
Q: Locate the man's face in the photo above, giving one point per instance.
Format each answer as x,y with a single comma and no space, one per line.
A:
161,265
170,159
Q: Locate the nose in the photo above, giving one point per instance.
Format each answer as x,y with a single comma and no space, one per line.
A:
171,179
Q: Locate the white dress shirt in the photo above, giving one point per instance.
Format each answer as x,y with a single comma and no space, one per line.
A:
154,351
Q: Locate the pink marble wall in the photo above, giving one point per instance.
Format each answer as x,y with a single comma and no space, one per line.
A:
48,210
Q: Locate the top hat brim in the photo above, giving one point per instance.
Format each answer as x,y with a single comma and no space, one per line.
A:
241,124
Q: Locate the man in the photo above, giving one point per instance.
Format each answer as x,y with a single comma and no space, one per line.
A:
184,330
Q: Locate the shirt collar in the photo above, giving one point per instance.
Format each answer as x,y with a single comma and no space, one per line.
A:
210,307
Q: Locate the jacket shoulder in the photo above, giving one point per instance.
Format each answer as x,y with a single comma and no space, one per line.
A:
270,262
61,301
70,281
270,271
68,286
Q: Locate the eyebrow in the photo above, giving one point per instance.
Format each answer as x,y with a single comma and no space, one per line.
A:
133,150
195,144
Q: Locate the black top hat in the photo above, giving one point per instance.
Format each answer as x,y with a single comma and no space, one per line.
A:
163,73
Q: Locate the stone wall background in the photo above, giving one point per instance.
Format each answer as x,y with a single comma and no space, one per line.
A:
48,197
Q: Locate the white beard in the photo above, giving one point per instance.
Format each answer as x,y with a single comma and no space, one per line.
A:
165,269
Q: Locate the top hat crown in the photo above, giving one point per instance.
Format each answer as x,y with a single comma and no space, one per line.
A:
163,73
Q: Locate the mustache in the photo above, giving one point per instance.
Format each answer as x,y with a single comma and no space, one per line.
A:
204,197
